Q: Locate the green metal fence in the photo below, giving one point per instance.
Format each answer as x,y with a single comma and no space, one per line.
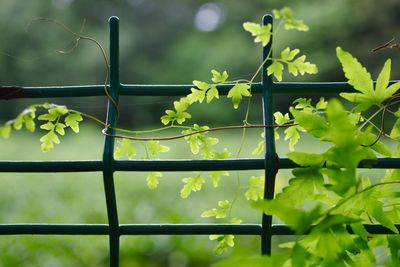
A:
271,163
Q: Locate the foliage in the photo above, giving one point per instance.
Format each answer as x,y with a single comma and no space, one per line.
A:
326,195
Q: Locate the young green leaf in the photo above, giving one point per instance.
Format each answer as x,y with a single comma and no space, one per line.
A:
289,55
281,119
306,184
299,65
179,115
48,140
219,77
72,120
192,184
256,188
306,159
5,131
262,33
152,179
290,22
224,243
237,92
292,134
216,176
125,148
276,68
360,79
212,93
298,220
154,148
220,212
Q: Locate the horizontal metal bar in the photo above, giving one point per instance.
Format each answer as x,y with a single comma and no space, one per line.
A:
54,229
190,229
161,229
130,229
168,165
189,165
51,166
53,91
12,92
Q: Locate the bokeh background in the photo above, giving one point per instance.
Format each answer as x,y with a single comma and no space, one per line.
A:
169,42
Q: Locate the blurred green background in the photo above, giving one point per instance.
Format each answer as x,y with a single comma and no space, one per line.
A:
169,42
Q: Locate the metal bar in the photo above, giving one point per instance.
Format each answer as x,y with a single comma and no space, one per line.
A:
190,229
174,89
108,157
271,157
168,165
162,229
54,229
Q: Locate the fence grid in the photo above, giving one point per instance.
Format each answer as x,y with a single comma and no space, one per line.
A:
271,163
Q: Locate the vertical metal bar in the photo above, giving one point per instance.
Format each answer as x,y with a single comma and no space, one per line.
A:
271,166
108,158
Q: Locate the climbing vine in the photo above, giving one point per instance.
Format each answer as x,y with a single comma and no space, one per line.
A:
327,200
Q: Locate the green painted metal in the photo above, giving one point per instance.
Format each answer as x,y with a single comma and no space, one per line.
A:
271,163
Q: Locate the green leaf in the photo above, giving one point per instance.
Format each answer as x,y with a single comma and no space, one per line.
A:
259,149
220,212
224,243
306,184
290,22
314,124
276,68
125,148
196,95
30,124
72,120
299,65
375,209
256,188
237,92
218,77
395,132
212,93
179,115
333,222
394,246
195,140
154,148
60,128
192,184
216,176
48,140
281,119
292,134
274,260
262,33
303,103
289,55
306,159
18,122
298,220
382,81
5,130
47,126
358,77
322,104
152,179
367,138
